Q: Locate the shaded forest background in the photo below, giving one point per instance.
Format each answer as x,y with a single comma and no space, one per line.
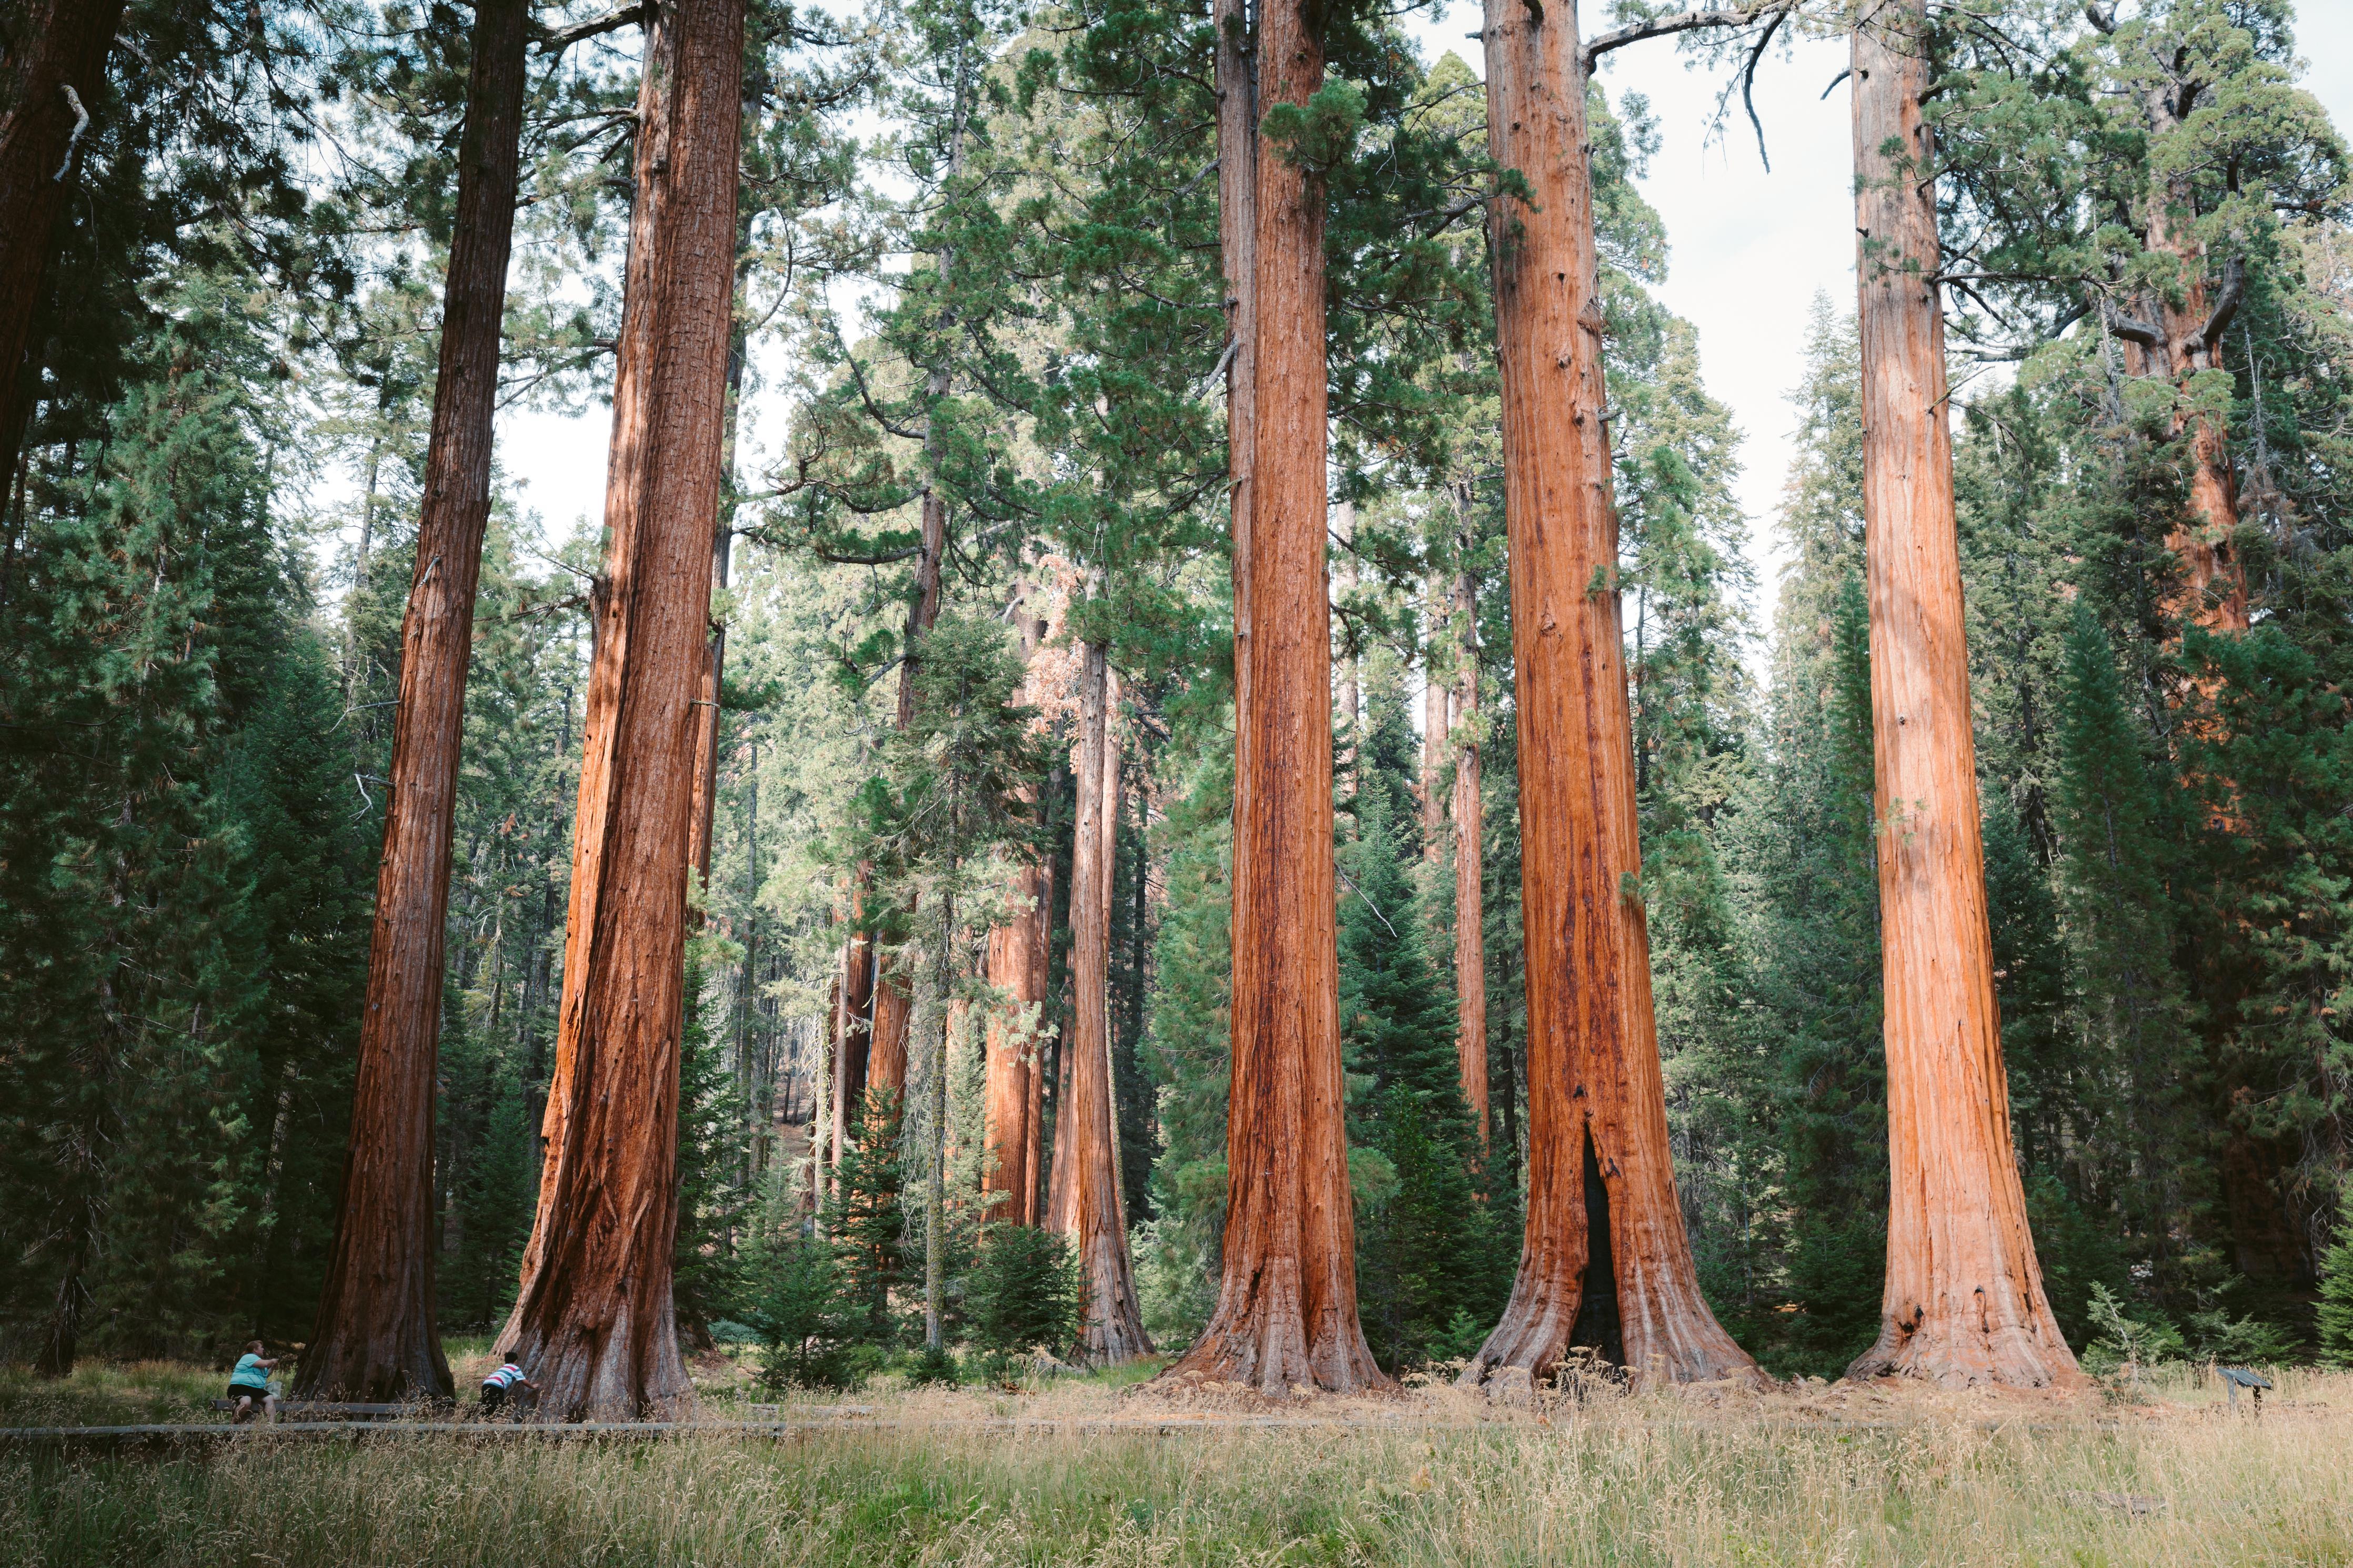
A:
199,646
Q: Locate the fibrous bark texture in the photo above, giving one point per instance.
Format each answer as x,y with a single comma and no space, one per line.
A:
1470,823
1018,960
1092,1217
374,1337
853,1022
1593,1061
594,1325
886,1061
714,664
55,58
1286,1315
1012,1071
1964,1302
2211,592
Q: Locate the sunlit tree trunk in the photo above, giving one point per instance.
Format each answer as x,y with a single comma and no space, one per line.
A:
854,1025
1286,1314
1605,1261
1091,1215
54,59
374,1337
886,1060
1964,1300
1017,967
594,1325
1469,824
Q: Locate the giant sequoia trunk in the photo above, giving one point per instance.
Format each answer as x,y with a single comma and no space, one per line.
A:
1964,1302
375,1337
853,1022
593,1324
1605,1261
1091,1213
2179,336
1286,1313
886,1059
52,73
1019,958
1469,825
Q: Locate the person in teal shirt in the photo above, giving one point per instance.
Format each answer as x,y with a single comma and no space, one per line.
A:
249,1384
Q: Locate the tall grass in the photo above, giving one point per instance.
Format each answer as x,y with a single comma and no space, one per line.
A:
1649,1480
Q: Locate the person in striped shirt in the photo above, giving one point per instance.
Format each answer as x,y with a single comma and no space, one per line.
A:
499,1385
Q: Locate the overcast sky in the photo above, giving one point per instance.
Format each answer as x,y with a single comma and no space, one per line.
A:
1750,250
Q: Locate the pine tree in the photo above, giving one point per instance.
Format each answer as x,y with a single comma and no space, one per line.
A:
865,1225
1427,1249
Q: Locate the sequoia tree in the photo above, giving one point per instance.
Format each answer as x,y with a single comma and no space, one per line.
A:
595,1322
1019,955
1286,1313
1605,1261
1469,825
51,76
1963,1301
1088,1209
376,1336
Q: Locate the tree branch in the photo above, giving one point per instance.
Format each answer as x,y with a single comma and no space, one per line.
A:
1680,22
2234,289
555,40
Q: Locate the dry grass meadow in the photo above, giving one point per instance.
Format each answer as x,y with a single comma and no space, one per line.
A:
1086,1471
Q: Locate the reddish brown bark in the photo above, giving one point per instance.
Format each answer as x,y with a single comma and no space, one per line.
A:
53,45
1092,1217
1605,1261
2179,335
374,1337
886,1062
1469,825
853,1022
594,1325
714,659
1286,1315
1017,965
1964,1300
1010,1093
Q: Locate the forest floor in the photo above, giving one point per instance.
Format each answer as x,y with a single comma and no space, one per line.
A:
1108,1470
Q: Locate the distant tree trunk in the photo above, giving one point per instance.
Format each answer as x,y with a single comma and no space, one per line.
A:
1010,1097
375,1337
2177,341
1469,825
1433,727
1348,695
853,1026
1016,951
1964,1300
1091,1215
1286,1313
55,58
593,1324
707,709
886,1062
1605,1261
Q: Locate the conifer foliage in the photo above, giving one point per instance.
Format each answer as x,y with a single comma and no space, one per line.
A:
1174,744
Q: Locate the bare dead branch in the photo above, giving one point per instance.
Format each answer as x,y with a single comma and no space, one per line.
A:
556,40
1682,22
